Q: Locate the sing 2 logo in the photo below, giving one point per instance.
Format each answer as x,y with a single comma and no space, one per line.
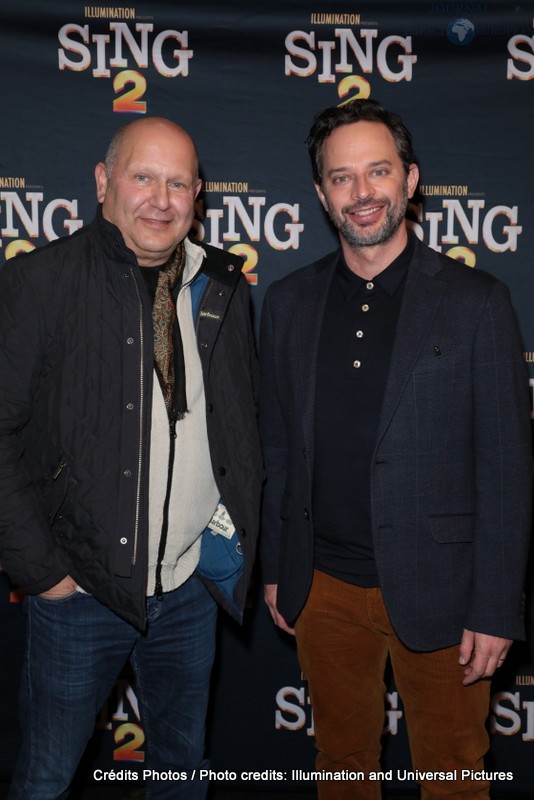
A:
346,52
119,48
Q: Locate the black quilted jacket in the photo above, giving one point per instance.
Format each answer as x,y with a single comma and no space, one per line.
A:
76,372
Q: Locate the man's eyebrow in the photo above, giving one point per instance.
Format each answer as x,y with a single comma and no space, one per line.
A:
382,162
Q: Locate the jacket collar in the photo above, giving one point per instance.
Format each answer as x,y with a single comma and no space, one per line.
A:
111,240
215,263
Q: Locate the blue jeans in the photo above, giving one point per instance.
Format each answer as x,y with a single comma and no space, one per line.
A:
76,648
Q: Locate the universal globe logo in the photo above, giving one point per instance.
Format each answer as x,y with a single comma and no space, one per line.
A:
461,32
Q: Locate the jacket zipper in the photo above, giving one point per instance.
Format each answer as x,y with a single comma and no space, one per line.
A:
58,470
158,590
141,415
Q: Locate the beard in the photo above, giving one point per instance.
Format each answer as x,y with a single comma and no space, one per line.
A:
357,236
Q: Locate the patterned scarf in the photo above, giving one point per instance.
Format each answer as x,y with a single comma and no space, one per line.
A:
168,350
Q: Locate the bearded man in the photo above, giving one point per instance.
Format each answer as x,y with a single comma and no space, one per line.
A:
395,427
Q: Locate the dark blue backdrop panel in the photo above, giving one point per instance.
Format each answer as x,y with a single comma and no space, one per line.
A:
246,80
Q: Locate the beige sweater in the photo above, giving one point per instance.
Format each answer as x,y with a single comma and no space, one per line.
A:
194,494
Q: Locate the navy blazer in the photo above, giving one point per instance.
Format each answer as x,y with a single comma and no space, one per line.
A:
451,470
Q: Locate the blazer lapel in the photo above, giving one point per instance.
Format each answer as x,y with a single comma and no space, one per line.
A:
423,294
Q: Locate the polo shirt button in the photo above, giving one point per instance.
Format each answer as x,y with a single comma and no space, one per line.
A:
356,364
359,334
365,307
370,285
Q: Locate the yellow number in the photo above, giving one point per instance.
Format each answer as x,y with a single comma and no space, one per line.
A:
18,246
464,254
135,738
129,101
251,260
345,86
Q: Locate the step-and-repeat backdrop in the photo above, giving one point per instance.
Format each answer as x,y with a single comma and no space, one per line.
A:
245,79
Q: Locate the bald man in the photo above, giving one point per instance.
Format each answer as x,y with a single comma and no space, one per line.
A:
128,440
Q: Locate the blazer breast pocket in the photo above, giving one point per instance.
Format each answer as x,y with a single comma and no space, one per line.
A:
435,357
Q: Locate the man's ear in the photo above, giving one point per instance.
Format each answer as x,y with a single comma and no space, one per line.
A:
412,179
320,195
101,179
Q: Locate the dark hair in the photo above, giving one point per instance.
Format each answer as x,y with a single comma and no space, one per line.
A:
356,111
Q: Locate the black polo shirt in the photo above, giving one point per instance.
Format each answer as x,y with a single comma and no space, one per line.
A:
356,342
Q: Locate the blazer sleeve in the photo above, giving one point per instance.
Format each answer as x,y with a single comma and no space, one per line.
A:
503,472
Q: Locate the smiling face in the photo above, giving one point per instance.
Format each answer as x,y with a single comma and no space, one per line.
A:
365,188
150,193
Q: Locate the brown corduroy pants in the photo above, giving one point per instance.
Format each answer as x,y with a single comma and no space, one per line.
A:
344,638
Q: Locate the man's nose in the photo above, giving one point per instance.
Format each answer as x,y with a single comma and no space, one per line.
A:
160,196
361,187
